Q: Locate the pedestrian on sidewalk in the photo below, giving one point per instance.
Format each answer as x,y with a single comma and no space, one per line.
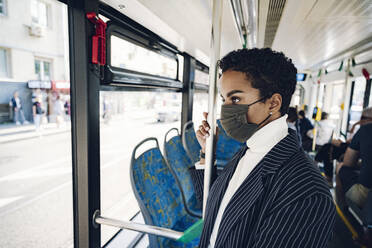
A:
58,111
16,104
38,112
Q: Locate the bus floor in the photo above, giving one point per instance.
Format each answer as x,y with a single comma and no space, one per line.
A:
342,235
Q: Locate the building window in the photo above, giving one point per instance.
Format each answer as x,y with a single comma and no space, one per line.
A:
4,64
39,13
42,69
2,7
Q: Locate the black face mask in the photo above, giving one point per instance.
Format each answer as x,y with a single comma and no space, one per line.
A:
234,121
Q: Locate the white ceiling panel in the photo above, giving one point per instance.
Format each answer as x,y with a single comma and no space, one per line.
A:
312,31
184,23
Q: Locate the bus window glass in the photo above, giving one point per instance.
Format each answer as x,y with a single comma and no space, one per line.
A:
126,119
180,67
201,105
296,98
127,55
201,77
356,106
336,101
36,208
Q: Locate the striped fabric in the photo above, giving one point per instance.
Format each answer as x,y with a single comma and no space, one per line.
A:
284,202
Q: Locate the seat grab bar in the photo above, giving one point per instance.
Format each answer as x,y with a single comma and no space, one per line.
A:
138,227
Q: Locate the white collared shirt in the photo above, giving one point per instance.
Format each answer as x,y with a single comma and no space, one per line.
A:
259,145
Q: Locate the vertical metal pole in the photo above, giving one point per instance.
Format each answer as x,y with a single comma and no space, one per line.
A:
188,89
85,126
367,92
346,99
316,105
213,77
350,103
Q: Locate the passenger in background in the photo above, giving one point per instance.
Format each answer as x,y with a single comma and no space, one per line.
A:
304,125
292,121
355,179
324,131
337,148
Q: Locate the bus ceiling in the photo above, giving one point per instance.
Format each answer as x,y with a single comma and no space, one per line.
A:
185,24
313,33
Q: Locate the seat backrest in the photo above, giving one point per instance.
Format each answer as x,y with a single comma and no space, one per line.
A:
155,189
190,142
179,164
226,146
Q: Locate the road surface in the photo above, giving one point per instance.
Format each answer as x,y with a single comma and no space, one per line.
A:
36,186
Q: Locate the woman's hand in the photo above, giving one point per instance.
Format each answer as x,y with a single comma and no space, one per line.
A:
203,132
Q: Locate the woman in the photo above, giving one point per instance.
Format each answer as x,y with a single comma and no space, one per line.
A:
269,194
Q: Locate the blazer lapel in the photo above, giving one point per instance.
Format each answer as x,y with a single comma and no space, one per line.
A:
215,197
241,202
252,187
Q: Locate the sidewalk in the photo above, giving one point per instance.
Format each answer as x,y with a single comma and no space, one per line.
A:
12,132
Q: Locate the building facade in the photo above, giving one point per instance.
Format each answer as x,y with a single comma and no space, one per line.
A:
33,51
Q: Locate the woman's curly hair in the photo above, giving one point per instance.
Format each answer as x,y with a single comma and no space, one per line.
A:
268,71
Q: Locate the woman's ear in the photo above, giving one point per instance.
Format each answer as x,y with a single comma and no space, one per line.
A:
275,103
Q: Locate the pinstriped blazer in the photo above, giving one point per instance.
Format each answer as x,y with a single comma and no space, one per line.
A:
284,202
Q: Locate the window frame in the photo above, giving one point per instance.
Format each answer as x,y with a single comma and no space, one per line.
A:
120,76
135,33
86,83
198,85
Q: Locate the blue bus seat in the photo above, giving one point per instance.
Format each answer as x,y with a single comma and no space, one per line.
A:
158,195
179,164
190,142
226,146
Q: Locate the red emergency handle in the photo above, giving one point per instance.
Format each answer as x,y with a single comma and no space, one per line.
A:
98,40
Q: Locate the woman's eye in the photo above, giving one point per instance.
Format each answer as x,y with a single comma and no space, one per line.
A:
235,99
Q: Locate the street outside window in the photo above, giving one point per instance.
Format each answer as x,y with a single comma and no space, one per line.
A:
36,200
